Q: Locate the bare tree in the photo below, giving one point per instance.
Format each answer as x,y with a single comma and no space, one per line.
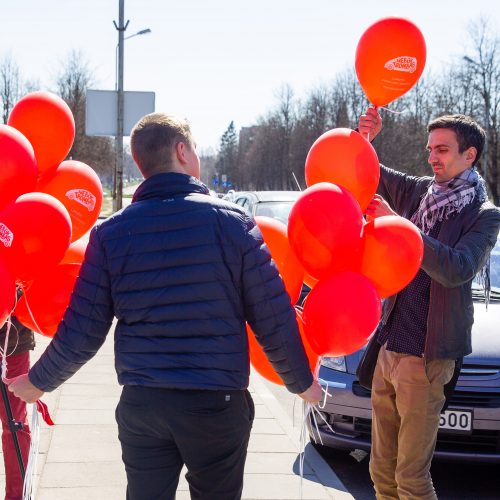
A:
72,83
10,85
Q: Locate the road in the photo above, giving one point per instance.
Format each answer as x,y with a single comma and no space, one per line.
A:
453,481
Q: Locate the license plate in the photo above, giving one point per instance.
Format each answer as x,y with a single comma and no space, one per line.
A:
456,420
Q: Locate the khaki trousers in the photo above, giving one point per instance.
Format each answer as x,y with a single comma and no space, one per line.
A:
407,397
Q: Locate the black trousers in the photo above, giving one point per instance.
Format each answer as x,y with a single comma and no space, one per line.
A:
160,430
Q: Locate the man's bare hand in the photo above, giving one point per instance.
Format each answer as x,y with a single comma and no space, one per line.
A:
22,388
314,394
370,124
378,207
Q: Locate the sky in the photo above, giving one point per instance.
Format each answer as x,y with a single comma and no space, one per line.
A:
217,61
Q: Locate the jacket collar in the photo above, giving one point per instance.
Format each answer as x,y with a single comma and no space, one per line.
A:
168,184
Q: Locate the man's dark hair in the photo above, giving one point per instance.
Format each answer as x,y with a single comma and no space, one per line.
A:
469,133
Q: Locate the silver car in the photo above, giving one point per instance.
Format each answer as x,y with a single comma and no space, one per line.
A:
275,204
469,428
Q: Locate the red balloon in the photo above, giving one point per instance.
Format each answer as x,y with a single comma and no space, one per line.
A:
340,313
289,267
261,363
342,156
35,232
390,58
324,229
7,293
79,189
48,123
76,252
18,170
392,253
42,306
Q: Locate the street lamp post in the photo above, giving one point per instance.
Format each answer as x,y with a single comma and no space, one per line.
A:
118,173
486,118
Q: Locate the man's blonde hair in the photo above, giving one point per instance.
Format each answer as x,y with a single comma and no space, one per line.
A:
153,141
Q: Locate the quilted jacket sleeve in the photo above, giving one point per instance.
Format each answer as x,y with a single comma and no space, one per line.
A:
270,314
85,324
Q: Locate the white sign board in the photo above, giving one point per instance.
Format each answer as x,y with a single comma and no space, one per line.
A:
101,110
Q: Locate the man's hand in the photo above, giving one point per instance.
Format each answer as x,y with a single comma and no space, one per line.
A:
314,394
378,207
370,124
22,388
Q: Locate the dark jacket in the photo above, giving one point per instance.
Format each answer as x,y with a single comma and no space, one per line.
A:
451,260
181,271
21,339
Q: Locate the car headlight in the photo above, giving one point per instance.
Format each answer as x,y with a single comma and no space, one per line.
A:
337,363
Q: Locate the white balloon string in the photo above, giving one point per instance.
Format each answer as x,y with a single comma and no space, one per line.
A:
28,493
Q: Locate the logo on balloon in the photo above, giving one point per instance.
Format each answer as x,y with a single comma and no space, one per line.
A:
84,197
406,64
6,235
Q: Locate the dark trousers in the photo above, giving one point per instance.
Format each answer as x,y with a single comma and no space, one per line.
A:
160,430
16,365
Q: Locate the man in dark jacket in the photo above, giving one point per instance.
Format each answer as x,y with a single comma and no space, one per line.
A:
21,341
182,272
427,325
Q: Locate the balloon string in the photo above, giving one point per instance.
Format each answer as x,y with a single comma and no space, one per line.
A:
391,110
38,329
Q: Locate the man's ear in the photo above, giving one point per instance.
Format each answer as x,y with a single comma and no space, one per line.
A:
471,154
180,151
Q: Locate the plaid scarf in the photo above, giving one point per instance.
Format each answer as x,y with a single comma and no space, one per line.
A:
446,198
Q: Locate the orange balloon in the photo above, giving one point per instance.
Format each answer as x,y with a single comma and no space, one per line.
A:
342,156
48,123
390,58
76,252
79,189
7,292
18,170
392,253
42,306
340,313
309,280
289,267
324,229
261,363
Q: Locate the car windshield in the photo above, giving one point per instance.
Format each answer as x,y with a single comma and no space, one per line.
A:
494,270
276,209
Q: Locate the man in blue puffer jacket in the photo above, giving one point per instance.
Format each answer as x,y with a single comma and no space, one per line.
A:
182,272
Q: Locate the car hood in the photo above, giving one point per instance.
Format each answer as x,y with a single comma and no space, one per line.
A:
485,334
485,338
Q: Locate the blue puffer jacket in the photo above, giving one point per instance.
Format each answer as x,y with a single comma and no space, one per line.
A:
181,271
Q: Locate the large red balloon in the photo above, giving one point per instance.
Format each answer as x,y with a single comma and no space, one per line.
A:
392,253
42,306
48,123
35,232
340,313
7,293
79,189
324,229
18,170
342,156
289,267
390,57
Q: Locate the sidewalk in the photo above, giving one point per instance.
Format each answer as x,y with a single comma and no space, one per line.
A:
80,457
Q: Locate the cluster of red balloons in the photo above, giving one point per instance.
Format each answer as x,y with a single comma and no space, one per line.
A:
46,206
349,263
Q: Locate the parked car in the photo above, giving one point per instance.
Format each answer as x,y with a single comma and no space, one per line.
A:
469,428
275,204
